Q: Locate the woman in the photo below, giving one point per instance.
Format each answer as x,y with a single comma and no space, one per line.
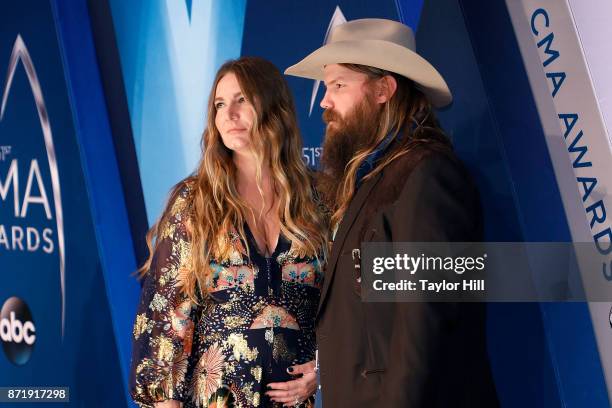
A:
232,283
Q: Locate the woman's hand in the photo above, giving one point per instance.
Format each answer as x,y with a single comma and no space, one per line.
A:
292,392
168,404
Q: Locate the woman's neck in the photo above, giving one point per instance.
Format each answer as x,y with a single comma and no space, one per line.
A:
263,219
246,177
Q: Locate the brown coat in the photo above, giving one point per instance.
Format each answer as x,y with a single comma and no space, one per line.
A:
404,354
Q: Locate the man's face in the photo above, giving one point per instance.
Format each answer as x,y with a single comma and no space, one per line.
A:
352,114
345,90
353,105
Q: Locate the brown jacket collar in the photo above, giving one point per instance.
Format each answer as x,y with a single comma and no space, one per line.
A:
351,214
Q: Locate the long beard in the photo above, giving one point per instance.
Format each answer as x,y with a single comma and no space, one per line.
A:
344,138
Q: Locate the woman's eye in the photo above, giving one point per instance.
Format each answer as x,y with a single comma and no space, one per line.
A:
339,85
241,99
219,105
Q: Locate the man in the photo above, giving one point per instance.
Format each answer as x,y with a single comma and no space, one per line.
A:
389,175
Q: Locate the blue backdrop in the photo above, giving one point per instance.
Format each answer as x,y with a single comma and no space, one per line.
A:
106,138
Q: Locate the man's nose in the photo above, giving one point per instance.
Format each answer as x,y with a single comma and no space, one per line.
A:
326,102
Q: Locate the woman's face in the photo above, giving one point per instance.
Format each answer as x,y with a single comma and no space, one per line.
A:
235,115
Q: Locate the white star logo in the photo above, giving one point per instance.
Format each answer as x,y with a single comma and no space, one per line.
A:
337,19
20,53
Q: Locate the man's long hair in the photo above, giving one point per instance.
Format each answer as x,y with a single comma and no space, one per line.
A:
407,117
216,208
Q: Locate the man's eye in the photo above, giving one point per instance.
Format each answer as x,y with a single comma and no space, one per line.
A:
339,85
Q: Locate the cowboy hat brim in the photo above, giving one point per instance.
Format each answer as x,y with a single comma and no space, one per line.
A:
380,54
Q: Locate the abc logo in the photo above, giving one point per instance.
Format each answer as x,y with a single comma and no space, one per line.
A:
17,330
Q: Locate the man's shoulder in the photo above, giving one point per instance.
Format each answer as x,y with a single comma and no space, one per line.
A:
424,166
426,156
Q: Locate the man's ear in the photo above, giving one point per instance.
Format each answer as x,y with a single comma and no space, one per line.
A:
385,88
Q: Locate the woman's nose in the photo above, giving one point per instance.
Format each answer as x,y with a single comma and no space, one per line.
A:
232,112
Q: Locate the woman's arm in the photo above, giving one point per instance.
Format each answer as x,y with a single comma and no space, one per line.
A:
163,331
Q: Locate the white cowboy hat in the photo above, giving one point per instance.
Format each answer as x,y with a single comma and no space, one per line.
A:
378,43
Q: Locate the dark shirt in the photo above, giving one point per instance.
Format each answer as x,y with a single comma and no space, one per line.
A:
371,160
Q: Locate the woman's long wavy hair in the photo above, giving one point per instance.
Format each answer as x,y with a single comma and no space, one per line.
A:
216,208
410,120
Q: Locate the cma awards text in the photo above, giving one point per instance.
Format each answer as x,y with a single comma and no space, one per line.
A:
19,237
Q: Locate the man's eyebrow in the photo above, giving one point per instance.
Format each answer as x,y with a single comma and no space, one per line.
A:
237,94
333,81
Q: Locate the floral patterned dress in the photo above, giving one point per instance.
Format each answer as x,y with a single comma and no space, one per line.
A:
258,321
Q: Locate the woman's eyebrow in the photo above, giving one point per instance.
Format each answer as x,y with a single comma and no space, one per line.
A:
220,98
